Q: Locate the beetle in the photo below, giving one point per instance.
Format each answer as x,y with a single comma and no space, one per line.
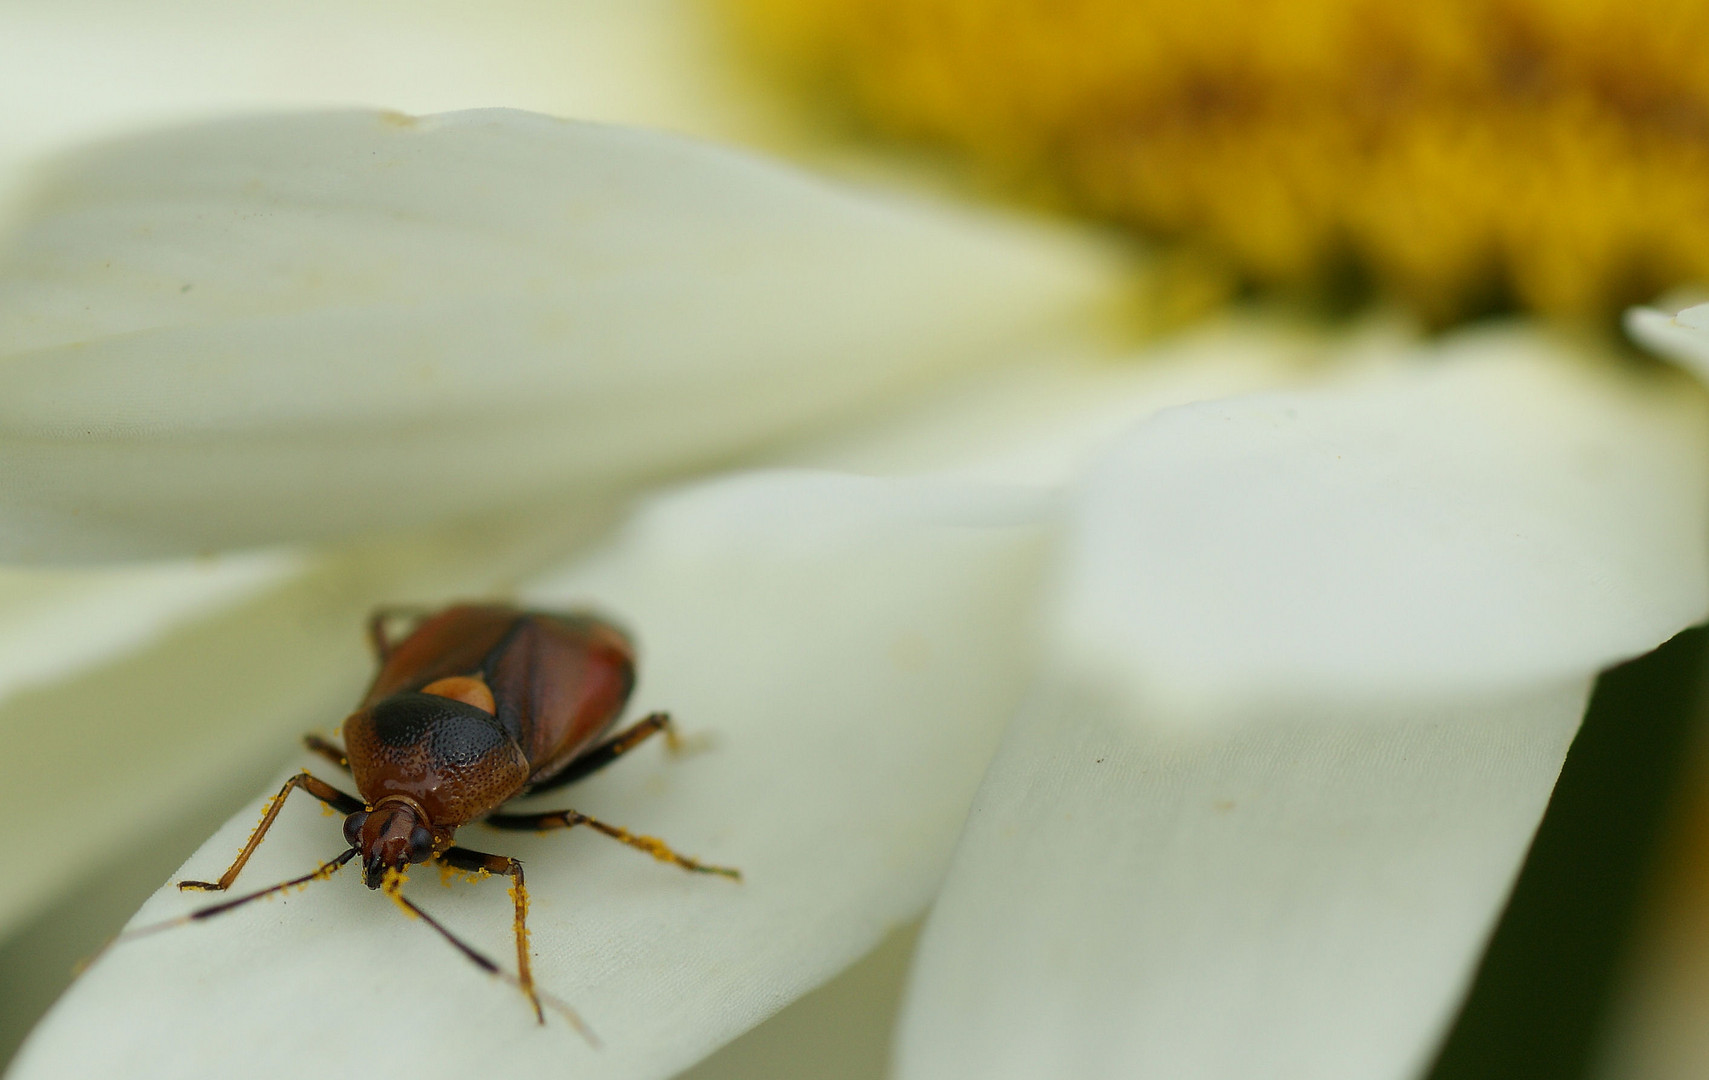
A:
476,705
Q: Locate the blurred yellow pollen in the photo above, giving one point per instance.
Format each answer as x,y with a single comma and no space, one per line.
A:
1458,156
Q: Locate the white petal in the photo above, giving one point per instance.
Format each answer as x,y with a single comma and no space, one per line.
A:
1299,901
851,646
55,622
1683,337
306,325
1497,516
63,763
76,70
841,1031
1045,422
1263,826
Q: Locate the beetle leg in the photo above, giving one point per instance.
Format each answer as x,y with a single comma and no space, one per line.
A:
475,861
377,625
320,789
328,750
612,749
326,870
569,819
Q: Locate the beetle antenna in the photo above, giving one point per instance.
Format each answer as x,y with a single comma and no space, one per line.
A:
325,870
486,964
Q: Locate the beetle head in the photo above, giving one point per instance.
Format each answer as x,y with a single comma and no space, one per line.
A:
392,835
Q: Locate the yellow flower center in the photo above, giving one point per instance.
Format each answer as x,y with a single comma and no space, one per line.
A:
1461,155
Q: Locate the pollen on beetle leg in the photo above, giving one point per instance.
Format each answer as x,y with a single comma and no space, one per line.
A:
681,746
449,874
392,883
652,845
519,897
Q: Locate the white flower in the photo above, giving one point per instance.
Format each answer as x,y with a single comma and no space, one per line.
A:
1272,688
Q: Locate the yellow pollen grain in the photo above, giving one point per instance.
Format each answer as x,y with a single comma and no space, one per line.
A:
392,883
449,874
1460,156
268,809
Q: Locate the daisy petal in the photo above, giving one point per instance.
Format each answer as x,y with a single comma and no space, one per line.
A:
1497,516
850,647
55,621
83,69
1045,421
1299,900
1683,337
63,764
310,325
1317,661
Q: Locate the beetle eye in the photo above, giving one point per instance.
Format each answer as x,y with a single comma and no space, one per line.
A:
420,844
353,828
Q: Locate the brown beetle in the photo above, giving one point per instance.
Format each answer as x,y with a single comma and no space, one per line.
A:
477,705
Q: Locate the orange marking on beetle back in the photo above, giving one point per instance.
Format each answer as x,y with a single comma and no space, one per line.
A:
469,689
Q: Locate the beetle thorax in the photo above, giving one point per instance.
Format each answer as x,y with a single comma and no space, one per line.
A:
453,760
